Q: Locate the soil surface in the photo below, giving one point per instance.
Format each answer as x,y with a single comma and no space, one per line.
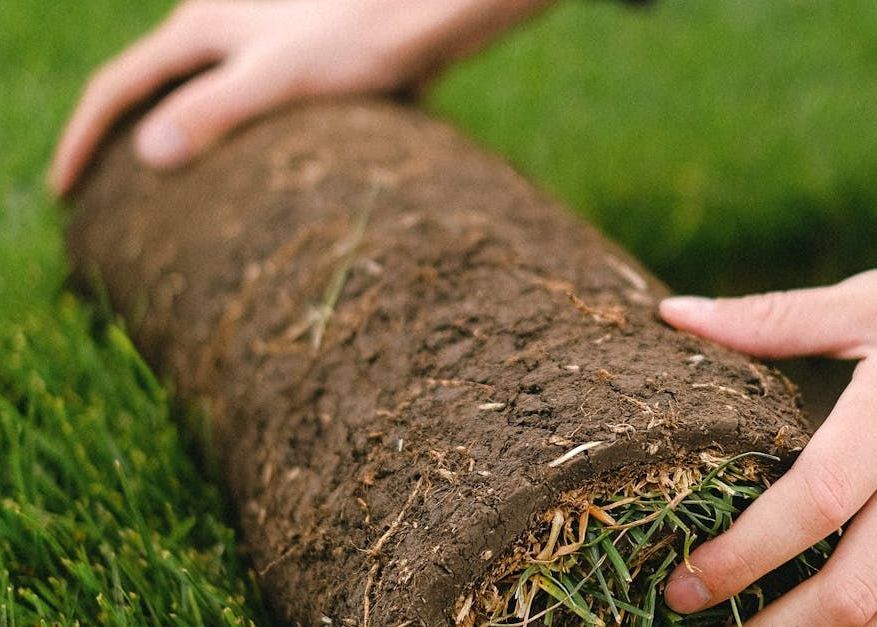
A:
399,339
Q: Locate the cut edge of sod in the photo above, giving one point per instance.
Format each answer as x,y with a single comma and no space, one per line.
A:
604,559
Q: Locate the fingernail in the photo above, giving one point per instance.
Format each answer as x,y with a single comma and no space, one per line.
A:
686,593
162,144
687,305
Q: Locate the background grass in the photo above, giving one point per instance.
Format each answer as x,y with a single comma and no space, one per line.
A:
104,518
730,144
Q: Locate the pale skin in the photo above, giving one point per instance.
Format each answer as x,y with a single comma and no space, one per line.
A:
260,54
247,58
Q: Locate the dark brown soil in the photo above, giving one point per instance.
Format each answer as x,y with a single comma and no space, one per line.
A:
479,332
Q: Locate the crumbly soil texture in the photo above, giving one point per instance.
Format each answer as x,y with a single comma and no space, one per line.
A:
408,351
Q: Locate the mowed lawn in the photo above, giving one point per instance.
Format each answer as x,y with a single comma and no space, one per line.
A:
730,144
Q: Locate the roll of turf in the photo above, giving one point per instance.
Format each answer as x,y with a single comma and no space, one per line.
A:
437,397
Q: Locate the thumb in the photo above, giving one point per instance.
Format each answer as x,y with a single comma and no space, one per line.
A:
198,113
818,321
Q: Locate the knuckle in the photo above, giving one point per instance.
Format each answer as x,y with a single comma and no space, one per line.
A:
769,310
187,9
732,569
860,292
830,493
189,12
200,20
868,278
99,80
850,600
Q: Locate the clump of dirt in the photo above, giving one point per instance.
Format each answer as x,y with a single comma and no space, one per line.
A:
409,353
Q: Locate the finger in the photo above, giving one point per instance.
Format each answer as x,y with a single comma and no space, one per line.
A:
825,320
199,112
842,593
175,49
831,480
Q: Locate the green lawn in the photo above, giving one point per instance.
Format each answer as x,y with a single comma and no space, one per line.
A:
104,517
730,144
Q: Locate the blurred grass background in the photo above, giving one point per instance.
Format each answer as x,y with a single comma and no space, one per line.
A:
729,144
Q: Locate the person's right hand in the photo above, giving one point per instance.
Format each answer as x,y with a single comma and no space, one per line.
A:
834,479
260,54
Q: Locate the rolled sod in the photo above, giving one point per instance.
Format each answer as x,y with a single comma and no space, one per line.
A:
412,358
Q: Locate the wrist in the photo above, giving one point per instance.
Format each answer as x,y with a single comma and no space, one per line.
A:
421,36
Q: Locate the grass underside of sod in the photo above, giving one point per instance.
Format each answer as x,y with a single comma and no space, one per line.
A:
606,560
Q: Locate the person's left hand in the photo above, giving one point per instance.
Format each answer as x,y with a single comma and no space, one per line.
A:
251,57
833,480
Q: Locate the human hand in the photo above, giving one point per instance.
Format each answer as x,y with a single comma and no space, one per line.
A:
257,55
834,478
